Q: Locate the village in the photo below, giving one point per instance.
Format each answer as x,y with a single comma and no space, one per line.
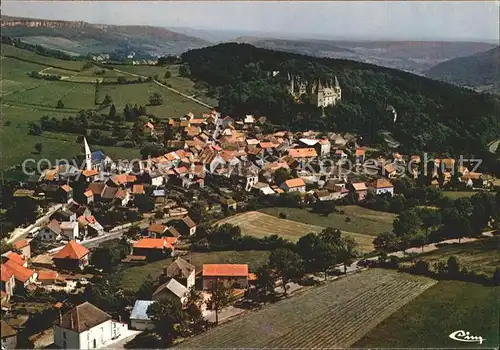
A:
153,205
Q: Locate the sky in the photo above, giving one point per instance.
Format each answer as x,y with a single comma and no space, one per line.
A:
405,20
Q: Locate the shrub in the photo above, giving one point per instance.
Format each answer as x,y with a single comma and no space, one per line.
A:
282,216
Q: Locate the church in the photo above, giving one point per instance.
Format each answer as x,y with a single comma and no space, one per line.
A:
321,93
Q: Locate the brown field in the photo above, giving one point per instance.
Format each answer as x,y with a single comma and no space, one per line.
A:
254,223
334,315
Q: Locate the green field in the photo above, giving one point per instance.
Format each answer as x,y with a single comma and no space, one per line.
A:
427,321
364,221
479,256
8,50
26,99
458,194
131,278
173,105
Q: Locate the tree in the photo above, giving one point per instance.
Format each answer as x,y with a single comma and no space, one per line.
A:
34,129
156,99
60,104
281,175
112,112
144,203
317,253
220,297
407,223
225,234
385,242
169,319
39,147
107,100
484,209
346,251
147,288
185,70
193,310
324,207
286,264
152,149
431,218
266,283
167,75
195,212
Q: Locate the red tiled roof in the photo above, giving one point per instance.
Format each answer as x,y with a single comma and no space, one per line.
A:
21,244
6,273
382,183
138,189
91,172
47,275
298,182
226,270
360,152
302,152
66,188
156,243
18,259
157,228
88,193
72,250
20,272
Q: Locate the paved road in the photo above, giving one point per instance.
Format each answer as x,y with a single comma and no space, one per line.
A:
21,233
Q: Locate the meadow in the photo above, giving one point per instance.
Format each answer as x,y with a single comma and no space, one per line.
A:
9,50
334,315
258,224
361,220
427,321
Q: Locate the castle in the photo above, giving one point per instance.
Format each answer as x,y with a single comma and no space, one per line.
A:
321,93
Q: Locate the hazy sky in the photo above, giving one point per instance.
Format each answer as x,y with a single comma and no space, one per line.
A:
414,20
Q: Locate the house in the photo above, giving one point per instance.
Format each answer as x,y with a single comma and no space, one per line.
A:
18,259
303,153
23,276
157,230
186,227
294,185
89,175
139,318
51,232
325,147
138,189
360,189
70,229
171,290
122,197
389,170
8,283
148,129
86,327
89,196
228,204
47,277
154,248
97,188
263,188
72,256
382,186
360,155
23,246
182,271
65,193
235,275
340,154
9,336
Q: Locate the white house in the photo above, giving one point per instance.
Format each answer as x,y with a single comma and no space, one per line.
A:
139,318
382,186
69,229
50,232
294,185
86,327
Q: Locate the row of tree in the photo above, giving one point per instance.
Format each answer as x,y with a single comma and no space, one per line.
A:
465,217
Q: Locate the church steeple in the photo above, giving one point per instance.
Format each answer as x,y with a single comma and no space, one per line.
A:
88,155
337,85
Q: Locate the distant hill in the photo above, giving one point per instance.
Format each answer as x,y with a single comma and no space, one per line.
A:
83,38
433,116
480,71
413,56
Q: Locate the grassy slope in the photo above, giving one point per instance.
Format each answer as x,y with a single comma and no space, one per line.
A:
132,278
429,319
363,221
458,194
479,256
26,99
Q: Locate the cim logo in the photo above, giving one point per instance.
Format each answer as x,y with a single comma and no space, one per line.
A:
465,337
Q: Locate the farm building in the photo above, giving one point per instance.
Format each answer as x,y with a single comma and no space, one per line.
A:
139,318
234,274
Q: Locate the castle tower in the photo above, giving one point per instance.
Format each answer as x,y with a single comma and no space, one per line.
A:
338,90
88,155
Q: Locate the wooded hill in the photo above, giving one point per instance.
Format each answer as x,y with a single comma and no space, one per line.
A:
480,70
432,116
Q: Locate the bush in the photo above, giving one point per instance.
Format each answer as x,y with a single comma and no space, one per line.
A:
282,216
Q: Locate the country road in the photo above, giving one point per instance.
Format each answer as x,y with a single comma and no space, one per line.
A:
168,88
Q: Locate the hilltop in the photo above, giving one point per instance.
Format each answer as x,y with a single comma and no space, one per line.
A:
480,70
432,116
414,56
81,38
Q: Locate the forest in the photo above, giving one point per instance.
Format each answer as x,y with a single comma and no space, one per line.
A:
432,116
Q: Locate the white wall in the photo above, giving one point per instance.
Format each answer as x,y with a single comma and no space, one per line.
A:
190,281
